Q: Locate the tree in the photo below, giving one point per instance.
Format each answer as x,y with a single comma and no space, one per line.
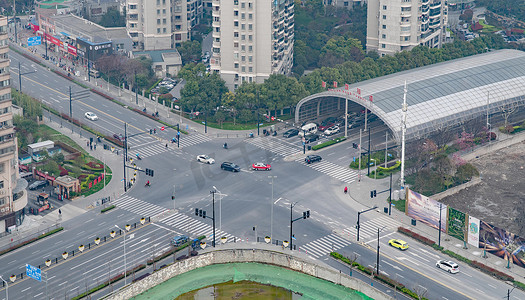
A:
340,49
245,115
113,18
228,101
220,116
190,51
507,110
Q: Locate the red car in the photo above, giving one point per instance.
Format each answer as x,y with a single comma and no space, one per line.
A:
261,167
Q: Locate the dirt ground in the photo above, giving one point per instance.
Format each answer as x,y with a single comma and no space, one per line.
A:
500,197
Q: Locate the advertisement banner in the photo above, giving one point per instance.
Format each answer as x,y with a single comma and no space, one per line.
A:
473,231
502,243
46,176
23,167
426,210
457,222
72,50
41,209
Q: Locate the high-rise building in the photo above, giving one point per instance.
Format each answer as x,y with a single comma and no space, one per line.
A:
397,25
252,39
161,24
13,196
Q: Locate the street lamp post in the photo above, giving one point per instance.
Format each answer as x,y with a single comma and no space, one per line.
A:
220,207
271,212
125,264
375,171
304,141
20,75
377,264
306,214
6,289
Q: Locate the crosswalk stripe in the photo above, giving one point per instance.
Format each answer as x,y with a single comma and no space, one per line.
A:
138,207
273,145
325,245
194,226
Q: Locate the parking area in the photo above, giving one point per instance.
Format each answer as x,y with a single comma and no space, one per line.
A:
42,197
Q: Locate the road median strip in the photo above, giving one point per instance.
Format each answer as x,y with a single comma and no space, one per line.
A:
29,241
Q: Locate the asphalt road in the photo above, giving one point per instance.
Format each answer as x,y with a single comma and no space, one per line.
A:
245,201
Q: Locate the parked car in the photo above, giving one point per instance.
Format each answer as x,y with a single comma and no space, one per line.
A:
205,159
261,167
312,158
399,244
311,138
179,240
38,184
328,122
448,266
229,166
291,132
91,116
118,136
332,130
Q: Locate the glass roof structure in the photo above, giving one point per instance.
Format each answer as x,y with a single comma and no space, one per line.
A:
443,94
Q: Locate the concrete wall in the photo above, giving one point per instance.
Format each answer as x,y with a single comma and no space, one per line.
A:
247,255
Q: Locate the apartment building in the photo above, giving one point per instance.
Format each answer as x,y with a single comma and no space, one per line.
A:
344,3
161,24
397,25
13,195
252,39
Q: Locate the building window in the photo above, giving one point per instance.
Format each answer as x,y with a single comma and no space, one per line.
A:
383,36
158,12
164,30
250,37
235,2
243,58
236,24
1,184
2,167
250,48
243,5
236,34
158,30
236,45
158,2
384,7
236,65
384,17
2,201
243,48
236,13
243,69
346,4
243,37
158,21
164,21
243,16
250,5
250,16
163,2
250,59
250,27
383,46
163,11
384,26
243,26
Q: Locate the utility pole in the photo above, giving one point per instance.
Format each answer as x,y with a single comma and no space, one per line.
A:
359,174
346,118
213,213
125,155
377,263
136,90
304,141
306,214
439,234
358,218
257,110
386,148
20,75
403,133
178,136
368,152
390,198
14,19
205,122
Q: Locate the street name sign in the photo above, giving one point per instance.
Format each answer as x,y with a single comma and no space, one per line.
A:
33,272
34,41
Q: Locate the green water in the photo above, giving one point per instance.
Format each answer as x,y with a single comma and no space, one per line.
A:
240,290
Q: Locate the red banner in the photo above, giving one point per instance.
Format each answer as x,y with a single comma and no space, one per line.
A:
23,167
371,98
335,84
358,91
346,86
323,84
52,39
41,209
90,185
42,174
72,50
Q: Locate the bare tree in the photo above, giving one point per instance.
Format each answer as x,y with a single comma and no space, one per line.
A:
507,110
442,135
352,258
476,126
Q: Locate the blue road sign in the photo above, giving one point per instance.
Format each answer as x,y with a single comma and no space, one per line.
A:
354,158
33,272
34,41
178,132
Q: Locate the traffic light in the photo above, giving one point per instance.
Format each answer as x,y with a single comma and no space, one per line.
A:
200,213
373,194
172,197
151,131
306,214
149,172
196,211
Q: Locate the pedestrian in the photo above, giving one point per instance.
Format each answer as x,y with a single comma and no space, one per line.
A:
166,145
59,211
90,147
346,189
87,144
95,146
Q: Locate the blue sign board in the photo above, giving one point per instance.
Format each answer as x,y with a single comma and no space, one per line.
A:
34,41
33,272
178,132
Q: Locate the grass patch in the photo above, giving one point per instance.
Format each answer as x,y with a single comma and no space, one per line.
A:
231,126
329,143
399,204
107,208
56,136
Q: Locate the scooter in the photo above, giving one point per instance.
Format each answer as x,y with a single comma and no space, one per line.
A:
225,146
147,184
138,157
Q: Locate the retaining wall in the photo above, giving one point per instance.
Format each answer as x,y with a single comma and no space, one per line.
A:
247,255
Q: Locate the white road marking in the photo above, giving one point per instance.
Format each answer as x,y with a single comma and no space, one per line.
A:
25,289
164,228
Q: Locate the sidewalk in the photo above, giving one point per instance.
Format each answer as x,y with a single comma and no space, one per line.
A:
33,225
360,192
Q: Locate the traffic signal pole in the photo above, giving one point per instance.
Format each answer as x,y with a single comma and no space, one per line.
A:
358,218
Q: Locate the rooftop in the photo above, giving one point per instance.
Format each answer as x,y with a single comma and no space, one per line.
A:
92,32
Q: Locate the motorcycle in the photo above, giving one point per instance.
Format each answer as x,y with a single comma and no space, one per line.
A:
138,157
147,184
274,133
225,146
251,134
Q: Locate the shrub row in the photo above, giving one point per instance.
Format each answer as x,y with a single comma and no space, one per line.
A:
27,242
482,267
107,208
392,168
328,143
111,281
416,236
385,279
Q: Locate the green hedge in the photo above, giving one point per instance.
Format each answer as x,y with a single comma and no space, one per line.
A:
385,279
107,208
328,143
392,168
27,242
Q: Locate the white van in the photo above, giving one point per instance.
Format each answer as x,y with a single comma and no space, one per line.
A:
309,128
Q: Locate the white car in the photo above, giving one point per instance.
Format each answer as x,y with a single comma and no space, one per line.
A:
331,130
205,159
448,266
91,116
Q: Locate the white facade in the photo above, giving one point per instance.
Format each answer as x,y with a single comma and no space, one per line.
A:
13,196
397,25
252,39
161,24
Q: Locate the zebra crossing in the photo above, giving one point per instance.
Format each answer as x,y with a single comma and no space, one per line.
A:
368,229
195,227
139,207
193,139
324,245
344,174
273,145
150,150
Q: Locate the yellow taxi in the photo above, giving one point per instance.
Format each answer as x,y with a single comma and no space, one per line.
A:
399,244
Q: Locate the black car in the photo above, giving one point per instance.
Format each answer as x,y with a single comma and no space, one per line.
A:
311,138
229,166
290,132
312,158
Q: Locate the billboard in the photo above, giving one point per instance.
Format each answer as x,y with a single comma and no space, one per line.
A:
426,210
473,231
457,222
502,243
